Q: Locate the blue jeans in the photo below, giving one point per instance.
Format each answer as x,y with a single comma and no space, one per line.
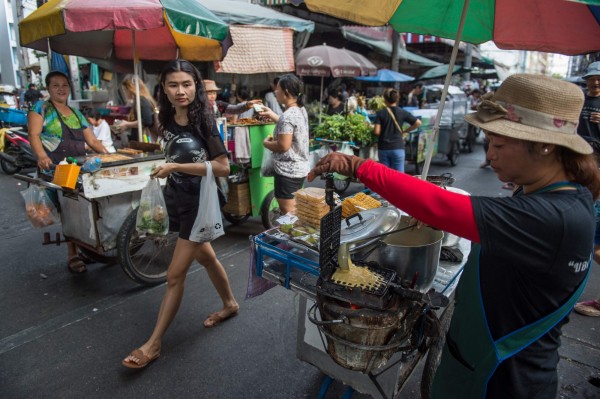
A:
393,159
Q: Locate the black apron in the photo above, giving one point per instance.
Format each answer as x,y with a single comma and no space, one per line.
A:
470,356
72,142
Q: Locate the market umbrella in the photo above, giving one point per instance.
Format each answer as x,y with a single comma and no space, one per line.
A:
387,75
440,71
323,61
127,30
557,26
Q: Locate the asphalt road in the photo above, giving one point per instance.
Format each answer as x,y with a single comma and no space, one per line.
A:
64,336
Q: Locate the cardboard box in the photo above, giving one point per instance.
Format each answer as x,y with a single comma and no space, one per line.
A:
238,199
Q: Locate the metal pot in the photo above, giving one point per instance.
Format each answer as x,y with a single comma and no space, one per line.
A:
413,254
368,223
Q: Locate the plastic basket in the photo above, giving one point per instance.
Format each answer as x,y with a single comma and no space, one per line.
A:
278,250
13,116
66,175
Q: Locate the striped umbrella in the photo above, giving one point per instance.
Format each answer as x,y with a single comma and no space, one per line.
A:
557,26
127,30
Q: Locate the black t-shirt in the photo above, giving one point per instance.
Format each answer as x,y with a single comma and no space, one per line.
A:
147,111
335,110
182,146
585,127
32,95
390,138
535,251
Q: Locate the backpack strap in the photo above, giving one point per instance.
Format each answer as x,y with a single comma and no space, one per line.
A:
395,121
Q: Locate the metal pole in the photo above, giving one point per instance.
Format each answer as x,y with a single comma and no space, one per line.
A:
138,105
321,100
438,117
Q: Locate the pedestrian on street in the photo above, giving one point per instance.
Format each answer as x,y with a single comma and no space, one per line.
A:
147,109
192,140
289,142
388,128
415,97
589,129
222,108
531,252
32,96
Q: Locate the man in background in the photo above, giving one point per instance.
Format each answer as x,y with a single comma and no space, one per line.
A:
271,100
32,95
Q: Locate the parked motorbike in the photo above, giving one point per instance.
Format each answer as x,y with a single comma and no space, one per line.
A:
17,153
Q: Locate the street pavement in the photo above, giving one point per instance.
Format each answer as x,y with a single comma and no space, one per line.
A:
64,336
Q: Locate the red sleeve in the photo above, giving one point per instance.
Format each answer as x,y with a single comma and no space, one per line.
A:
432,205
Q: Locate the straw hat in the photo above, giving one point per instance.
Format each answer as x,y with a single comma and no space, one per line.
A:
210,85
534,108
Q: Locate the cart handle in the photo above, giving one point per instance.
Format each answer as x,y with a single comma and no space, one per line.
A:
335,141
312,316
40,182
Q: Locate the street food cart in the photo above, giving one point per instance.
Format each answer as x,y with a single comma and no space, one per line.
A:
371,341
99,215
248,192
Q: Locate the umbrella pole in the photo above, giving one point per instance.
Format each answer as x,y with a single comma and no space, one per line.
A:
438,117
138,105
321,100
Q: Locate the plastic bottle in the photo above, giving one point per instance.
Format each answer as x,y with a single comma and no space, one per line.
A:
92,165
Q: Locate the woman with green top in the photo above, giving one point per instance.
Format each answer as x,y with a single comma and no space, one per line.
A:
57,131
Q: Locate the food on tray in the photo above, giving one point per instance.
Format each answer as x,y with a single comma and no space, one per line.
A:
311,206
112,157
130,151
359,202
357,276
248,121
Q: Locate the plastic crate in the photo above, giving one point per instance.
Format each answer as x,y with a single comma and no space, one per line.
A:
279,250
13,116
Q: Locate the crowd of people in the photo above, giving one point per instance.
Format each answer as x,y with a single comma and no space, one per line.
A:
535,244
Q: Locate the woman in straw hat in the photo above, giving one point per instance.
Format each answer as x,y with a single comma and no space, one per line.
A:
531,252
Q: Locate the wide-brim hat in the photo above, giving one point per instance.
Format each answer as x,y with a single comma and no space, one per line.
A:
534,108
210,85
592,69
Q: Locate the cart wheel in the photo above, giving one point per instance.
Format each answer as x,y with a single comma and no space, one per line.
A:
235,219
435,353
269,211
144,259
100,258
454,153
341,185
8,167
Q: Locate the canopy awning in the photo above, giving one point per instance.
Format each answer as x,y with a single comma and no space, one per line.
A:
377,38
258,50
242,13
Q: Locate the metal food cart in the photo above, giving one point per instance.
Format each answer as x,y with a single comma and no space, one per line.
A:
99,215
296,268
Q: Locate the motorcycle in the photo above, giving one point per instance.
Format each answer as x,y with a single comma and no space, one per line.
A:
17,153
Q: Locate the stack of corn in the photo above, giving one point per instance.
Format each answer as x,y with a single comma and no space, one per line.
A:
359,202
311,206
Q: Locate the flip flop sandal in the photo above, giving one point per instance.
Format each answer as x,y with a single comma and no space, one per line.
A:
143,360
588,308
76,265
85,259
216,319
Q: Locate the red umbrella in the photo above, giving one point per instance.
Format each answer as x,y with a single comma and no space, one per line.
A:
330,61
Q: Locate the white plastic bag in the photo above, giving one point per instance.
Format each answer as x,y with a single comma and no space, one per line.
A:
41,212
267,169
152,217
208,224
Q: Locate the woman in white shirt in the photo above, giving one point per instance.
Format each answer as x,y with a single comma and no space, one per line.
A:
100,128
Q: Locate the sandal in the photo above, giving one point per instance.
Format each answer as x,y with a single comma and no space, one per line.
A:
215,319
76,265
142,362
588,308
85,259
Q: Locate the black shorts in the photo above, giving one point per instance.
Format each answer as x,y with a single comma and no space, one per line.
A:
182,205
285,187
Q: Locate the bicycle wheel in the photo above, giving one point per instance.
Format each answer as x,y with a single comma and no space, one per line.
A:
144,259
269,211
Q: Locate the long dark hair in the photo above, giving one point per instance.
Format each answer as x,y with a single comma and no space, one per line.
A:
200,115
292,86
